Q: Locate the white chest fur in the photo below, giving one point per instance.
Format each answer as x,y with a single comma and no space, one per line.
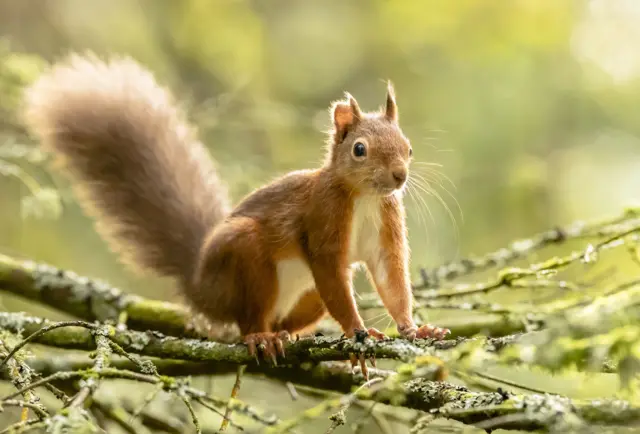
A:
294,276
365,229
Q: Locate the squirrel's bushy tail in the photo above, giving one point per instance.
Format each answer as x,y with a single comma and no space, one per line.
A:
135,163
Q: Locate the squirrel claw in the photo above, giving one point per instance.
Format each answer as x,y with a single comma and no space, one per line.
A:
429,331
363,364
270,344
360,335
424,332
279,343
360,359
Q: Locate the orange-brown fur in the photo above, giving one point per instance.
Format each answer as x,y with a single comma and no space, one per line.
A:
140,171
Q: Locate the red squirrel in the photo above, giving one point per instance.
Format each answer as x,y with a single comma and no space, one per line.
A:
277,262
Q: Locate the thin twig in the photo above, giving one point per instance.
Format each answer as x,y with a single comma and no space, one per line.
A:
41,332
53,377
341,404
291,388
21,376
192,412
23,426
121,417
520,248
234,393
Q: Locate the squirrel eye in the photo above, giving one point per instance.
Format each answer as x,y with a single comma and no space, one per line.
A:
410,152
359,150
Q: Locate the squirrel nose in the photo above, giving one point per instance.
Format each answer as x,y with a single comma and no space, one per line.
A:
399,175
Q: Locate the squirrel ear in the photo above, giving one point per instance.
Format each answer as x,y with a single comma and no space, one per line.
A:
391,111
346,114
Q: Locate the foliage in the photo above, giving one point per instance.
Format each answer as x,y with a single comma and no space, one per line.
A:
16,71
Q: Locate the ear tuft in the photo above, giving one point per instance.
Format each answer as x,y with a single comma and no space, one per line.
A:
355,108
346,114
391,111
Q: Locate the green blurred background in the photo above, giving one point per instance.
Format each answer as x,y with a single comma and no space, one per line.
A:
531,107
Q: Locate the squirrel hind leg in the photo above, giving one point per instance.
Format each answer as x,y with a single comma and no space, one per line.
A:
303,317
236,279
308,311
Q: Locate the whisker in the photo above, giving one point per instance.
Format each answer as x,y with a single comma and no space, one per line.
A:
448,192
389,323
421,206
428,179
422,200
414,197
382,318
377,317
425,163
421,220
430,191
435,173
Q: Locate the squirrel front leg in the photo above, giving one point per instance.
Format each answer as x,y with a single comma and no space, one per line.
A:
389,270
333,282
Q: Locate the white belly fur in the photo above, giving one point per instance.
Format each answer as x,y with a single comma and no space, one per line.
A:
294,279
294,276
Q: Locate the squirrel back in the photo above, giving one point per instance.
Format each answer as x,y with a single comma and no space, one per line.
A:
134,161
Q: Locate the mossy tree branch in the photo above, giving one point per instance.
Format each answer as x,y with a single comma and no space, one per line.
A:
94,300
581,330
310,349
412,386
103,338
90,299
522,248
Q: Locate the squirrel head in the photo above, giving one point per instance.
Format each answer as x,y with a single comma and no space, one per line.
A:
368,151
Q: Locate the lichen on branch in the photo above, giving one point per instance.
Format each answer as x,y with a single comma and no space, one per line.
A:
582,326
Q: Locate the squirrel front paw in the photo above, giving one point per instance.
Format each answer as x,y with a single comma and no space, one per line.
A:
360,336
424,332
270,343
